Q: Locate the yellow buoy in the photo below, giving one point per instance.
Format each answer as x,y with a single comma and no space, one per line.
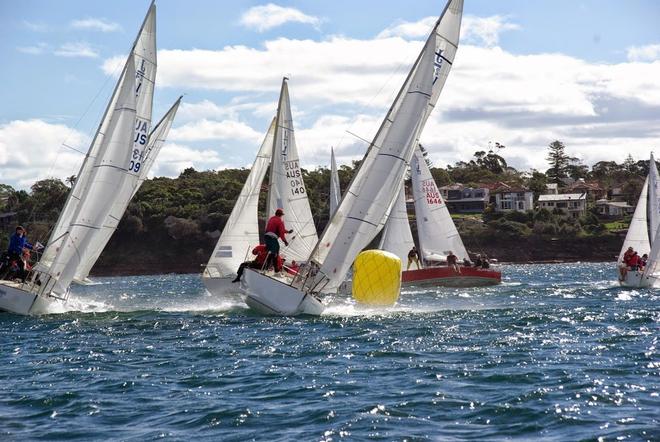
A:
376,278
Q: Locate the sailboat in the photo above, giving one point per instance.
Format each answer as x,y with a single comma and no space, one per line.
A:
437,236
286,190
375,185
109,168
643,231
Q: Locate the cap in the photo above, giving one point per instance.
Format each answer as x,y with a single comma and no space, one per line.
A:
279,212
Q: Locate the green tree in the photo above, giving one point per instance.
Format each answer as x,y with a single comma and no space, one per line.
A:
558,160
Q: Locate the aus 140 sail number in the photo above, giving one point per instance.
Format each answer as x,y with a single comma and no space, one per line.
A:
294,176
431,191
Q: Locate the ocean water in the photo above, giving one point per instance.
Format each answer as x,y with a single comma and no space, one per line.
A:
557,352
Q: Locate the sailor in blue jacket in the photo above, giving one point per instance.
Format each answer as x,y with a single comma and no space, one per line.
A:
17,242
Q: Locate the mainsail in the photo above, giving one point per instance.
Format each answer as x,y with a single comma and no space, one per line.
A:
286,187
241,232
372,191
397,237
436,230
638,231
141,68
335,191
132,184
108,173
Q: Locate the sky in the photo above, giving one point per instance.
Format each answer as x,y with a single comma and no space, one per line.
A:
526,73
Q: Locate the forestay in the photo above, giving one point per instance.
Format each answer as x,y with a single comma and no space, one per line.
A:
241,233
286,187
141,67
397,237
436,230
372,191
335,191
108,173
156,141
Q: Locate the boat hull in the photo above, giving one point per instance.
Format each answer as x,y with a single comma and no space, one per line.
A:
271,296
447,277
13,299
637,279
222,286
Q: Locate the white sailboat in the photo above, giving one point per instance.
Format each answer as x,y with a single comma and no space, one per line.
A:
90,202
374,187
286,191
397,237
643,231
437,236
146,157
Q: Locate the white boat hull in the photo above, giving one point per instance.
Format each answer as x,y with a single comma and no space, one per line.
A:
637,279
222,286
271,296
13,299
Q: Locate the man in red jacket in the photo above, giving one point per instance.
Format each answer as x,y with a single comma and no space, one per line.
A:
275,230
260,253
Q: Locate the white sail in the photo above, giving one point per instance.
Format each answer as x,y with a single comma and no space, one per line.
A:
638,233
397,237
335,191
241,232
133,182
436,230
653,199
108,174
375,185
142,66
286,187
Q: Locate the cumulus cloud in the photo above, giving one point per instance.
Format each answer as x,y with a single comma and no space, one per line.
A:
95,24
644,53
483,31
265,17
76,49
33,149
174,158
35,27
214,130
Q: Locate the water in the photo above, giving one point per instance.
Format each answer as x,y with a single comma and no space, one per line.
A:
557,352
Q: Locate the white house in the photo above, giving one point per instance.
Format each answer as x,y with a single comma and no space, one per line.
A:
552,188
509,199
575,204
613,208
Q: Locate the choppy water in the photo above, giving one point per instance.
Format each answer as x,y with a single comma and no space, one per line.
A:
557,352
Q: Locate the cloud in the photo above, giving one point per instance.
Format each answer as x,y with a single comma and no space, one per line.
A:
37,49
95,24
644,53
35,27
483,31
404,29
77,49
215,130
265,17
174,158
33,149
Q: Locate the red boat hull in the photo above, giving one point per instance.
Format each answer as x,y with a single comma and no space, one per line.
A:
447,277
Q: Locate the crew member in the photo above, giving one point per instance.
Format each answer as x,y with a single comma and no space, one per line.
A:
275,229
413,256
260,252
452,262
18,242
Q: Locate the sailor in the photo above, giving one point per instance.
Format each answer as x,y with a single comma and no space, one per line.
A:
477,261
645,258
413,256
634,262
292,269
18,242
625,262
452,261
275,229
466,262
260,252
484,262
